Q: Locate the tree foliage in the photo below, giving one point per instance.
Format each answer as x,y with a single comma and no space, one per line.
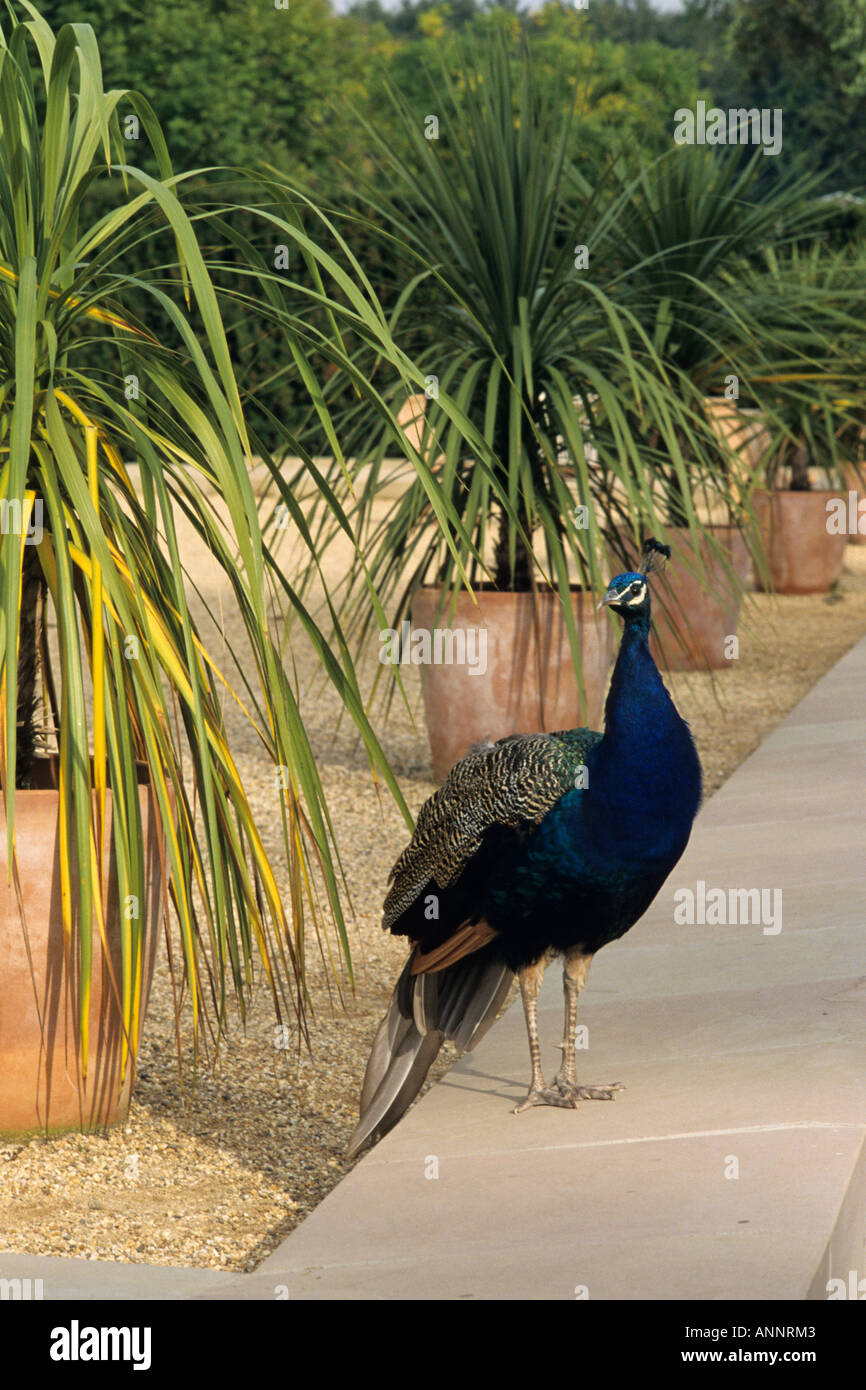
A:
809,58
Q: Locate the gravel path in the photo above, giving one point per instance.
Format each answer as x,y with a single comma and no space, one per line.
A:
217,1174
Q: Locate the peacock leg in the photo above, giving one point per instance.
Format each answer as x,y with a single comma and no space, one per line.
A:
575,971
530,978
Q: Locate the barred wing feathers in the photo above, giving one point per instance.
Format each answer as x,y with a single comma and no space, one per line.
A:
512,783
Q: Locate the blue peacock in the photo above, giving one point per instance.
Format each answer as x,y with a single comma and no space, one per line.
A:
536,846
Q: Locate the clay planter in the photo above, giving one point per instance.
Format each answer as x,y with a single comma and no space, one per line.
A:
38,1066
803,555
692,620
528,683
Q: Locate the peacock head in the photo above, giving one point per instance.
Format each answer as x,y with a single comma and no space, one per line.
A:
628,594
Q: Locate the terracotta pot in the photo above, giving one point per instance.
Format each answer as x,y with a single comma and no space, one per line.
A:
528,683
692,621
39,1068
803,556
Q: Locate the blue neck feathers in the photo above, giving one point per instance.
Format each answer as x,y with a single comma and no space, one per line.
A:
646,768
638,703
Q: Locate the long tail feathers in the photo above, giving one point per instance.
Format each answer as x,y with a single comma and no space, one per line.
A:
459,1003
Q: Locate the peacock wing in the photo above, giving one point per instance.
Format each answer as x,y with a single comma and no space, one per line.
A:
511,783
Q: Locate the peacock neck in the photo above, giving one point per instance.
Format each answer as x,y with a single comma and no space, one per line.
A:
637,698
645,739
634,813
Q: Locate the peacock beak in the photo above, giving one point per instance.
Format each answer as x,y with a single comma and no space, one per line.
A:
610,597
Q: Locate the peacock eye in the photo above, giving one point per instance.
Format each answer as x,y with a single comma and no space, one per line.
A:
635,589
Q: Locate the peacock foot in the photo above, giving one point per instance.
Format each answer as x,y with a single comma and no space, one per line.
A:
546,1095
574,1092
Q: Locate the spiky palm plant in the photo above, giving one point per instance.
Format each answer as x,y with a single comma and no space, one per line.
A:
504,311
814,400
679,238
87,389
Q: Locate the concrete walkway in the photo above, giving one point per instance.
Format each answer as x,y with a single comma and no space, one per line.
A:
732,1167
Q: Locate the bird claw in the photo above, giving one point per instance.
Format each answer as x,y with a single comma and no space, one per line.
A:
576,1092
548,1095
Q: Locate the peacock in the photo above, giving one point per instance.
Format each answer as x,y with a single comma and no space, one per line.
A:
536,846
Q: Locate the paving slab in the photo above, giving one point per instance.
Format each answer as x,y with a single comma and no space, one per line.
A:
28,1278
654,1220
